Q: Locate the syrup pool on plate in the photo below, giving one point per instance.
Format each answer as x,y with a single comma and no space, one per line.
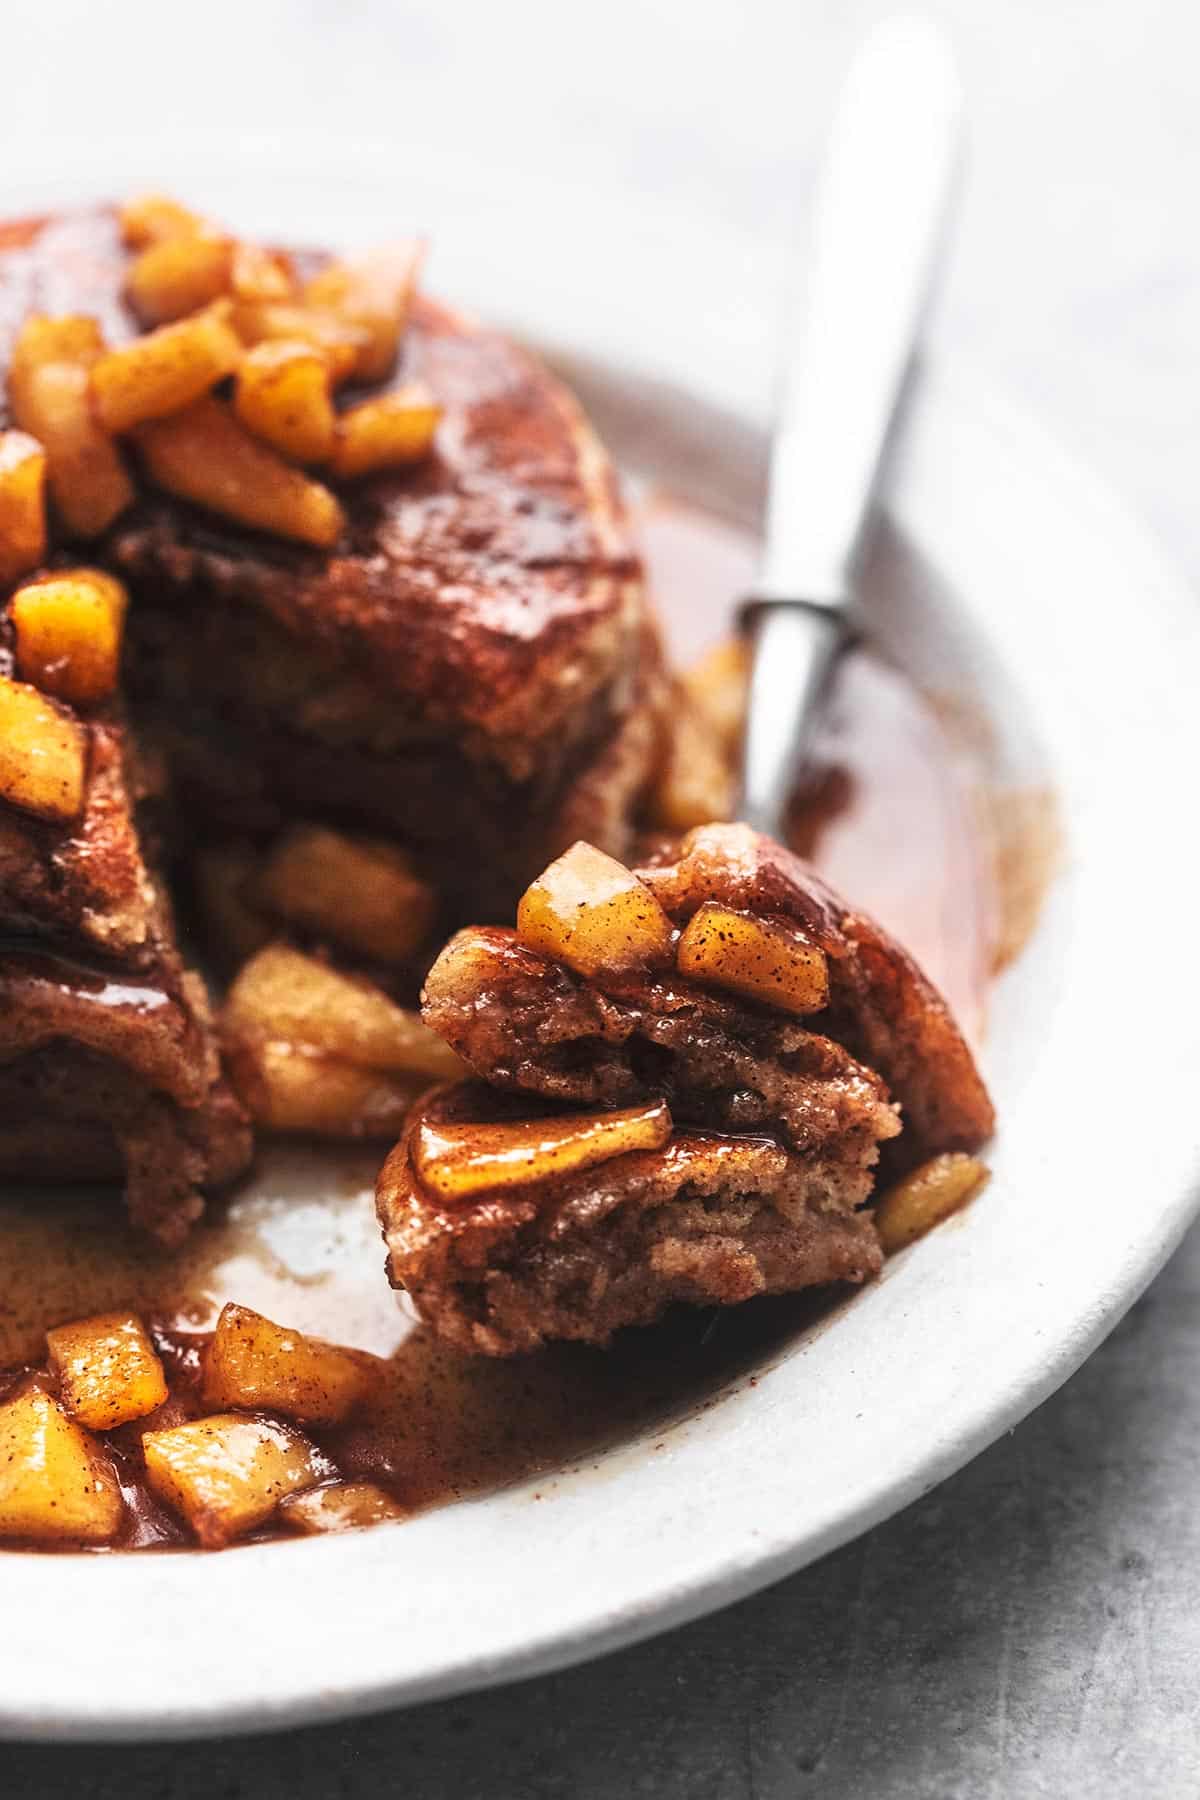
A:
892,827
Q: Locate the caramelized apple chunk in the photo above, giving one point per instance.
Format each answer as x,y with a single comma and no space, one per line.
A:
22,505
342,1506
107,1369
592,913
69,629
55,1485
204,455
178,275
362,893
49,389
227,1474
265,321
695,783
291,1089
388,432
925,1197
765,959
148,218
166,369
373,293
717,686
284,397
456,1162
289,998
260,274
43,754
257,1365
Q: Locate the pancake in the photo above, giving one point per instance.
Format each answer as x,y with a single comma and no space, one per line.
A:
471,674
794,1046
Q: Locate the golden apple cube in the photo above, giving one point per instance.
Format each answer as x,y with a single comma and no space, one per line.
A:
178,275
592,913
49,389
284,396
55,1484
227,1474
289,1088
165,370
373,292
263,321
695,784
148,218
457,1161
257,1365
69,629
258,274
107,1369
388,432
763,959
22,505
360,892
718,685
342,1506
43,754
925,1197
205,455
294,999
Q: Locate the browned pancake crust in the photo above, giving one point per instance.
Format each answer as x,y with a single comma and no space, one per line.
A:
492,590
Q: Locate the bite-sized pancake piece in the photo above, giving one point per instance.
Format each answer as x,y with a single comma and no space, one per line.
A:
704,1220
522,1019
722,984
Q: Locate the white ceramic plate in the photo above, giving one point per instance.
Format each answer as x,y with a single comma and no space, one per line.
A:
1010,577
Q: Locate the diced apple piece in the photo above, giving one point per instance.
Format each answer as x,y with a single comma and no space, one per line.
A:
22,505
259,274
43,754
166,369
55,1486
289,1088
257,1365
178,275
342,1506
373,292
360,892
148,218
48,386
67,337
718,686
293,999
204,455
107,1369
591,912
457,1161
388,432
284,396
69,629
227,1474
764,959
695,784
926,1197
262,321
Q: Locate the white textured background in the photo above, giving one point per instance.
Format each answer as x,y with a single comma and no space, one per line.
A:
1033,1628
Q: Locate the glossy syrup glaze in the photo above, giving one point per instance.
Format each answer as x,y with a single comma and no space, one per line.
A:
892,823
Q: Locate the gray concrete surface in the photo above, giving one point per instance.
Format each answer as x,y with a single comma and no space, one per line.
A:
1032,1628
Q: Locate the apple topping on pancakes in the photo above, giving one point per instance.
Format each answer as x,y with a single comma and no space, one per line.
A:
785,1038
